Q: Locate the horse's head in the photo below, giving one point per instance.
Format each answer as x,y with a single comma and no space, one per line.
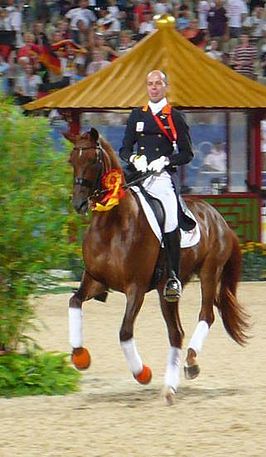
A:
87,160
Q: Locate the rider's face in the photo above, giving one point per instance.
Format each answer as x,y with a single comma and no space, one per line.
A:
156,86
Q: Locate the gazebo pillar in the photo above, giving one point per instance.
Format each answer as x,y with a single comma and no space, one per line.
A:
72,117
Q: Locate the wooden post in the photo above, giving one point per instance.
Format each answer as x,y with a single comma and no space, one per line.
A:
72,116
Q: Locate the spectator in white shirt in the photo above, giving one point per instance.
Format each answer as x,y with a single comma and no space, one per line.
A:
81,13
107,17
236,12
113,9
216,159
213,52
203,9
5,23
125,41
97,62
15,16
147,26
162,7
257,24
27,85
109,26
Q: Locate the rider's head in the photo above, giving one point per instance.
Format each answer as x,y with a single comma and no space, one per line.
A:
156,85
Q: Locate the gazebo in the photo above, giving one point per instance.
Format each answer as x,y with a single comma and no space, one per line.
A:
199,86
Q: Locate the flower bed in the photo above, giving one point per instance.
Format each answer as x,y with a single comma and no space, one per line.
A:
253,261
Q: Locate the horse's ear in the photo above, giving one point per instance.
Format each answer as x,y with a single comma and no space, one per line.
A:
70,136
94,134
85,136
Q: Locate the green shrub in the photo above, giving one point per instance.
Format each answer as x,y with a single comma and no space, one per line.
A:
253,261
36,217
37,373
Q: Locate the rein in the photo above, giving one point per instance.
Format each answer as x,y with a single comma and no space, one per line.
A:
97,191
138,180
126,186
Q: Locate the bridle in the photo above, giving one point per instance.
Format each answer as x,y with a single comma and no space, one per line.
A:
102,159
94,184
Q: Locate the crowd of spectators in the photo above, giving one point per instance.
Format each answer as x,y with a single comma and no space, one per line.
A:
46,44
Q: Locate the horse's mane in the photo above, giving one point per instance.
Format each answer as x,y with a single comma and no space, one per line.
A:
113,157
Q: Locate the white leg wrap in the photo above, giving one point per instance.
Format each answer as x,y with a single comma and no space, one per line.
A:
75,327
172,374
200,334
132,356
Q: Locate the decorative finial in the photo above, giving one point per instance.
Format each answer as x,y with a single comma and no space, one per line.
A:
164,20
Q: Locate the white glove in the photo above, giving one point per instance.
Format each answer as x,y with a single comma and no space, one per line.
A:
159,164
139,162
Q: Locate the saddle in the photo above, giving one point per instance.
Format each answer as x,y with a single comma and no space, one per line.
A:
184,222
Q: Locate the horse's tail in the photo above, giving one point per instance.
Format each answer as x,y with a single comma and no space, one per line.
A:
234,317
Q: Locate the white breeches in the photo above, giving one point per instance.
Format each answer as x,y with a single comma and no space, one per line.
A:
161,187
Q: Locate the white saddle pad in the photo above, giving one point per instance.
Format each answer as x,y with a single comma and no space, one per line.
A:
188,239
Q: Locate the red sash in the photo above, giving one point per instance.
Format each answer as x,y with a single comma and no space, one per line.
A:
172,134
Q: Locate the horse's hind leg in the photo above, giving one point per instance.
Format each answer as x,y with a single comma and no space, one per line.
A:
88,288
209,277
141,372
175,334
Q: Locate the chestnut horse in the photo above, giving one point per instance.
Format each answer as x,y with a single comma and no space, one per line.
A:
120,252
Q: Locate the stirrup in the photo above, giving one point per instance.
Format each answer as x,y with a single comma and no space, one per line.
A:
172,290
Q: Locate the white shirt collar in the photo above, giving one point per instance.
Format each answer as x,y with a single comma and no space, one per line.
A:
158,106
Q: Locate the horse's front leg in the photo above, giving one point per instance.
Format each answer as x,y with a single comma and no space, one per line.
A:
88,288
170,313
141,372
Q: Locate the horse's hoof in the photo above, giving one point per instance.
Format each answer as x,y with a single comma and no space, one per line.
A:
144,377
81,358
169,395
191,372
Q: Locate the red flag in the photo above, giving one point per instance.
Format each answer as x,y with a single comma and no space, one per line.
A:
68,44
50,60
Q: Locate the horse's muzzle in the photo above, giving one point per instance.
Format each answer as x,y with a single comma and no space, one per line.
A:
80,206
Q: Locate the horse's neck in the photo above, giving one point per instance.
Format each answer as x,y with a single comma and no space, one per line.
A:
127,211
110,157
115,162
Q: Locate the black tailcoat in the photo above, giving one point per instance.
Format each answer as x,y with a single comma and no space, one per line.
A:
143,132
144,136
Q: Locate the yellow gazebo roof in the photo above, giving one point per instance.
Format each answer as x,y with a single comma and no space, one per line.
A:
195,80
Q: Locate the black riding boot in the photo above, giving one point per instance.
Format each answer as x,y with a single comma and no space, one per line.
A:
173,288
